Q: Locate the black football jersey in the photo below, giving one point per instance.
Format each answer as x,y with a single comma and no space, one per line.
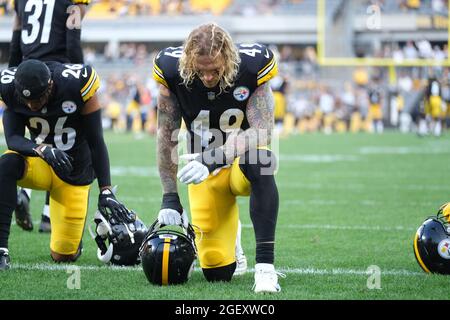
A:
43,24
59,122
208,114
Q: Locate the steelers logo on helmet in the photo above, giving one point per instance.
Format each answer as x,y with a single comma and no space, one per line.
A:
32,79
241,93
443,248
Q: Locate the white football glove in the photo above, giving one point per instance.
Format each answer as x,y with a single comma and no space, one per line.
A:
194,172
173,217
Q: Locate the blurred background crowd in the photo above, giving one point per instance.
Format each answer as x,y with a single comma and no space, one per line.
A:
309,96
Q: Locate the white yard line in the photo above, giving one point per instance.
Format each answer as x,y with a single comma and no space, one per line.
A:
338,227
311,271
131,171
317,158
319,227
402,150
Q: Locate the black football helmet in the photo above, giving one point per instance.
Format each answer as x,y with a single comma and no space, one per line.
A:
432,244
168,254
118,242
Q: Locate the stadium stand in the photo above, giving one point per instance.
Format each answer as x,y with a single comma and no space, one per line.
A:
122,37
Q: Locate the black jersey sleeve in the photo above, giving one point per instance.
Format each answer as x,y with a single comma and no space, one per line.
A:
15,53
73,45
165,66
259,60
14,127
7,84
92,124
89,82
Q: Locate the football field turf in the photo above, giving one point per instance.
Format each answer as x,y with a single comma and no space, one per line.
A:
347,202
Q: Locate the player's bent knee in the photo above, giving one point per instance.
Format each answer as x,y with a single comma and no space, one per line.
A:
58,258
12,164
257,163
211,257
224,273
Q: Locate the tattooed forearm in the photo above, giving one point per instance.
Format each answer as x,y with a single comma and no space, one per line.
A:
260,117
169,120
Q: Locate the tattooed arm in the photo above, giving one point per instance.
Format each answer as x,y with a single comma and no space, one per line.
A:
169,120
260,117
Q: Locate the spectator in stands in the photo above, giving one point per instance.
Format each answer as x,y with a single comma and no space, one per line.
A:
410,51
326,105
425,49
4,7
439,6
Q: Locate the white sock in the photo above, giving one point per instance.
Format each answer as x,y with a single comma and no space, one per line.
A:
239,250
380,126
46,211
423,130
264,266
437,128
4,250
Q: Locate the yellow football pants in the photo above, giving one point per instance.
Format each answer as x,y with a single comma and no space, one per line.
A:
215,211
68,204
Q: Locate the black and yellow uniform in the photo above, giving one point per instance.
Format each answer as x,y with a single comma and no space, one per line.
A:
433,103
375,108
202,108
58,124
213,203
44,32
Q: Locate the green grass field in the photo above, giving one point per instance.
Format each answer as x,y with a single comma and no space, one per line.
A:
346,202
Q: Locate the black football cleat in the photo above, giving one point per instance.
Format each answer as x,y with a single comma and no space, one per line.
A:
23,216
5,261
45,225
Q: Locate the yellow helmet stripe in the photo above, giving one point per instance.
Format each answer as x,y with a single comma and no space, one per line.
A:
416,251
165,262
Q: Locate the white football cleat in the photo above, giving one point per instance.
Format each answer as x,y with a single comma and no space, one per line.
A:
241,265
266,278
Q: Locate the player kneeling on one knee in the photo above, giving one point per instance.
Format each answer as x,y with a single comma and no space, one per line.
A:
222,93
58,105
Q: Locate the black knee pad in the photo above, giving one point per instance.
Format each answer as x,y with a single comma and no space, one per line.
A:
12,165
257,163
220,274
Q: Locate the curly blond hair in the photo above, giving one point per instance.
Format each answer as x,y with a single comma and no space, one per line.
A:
210,40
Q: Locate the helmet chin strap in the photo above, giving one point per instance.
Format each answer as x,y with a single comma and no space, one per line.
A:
104,254
99,216
105,258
